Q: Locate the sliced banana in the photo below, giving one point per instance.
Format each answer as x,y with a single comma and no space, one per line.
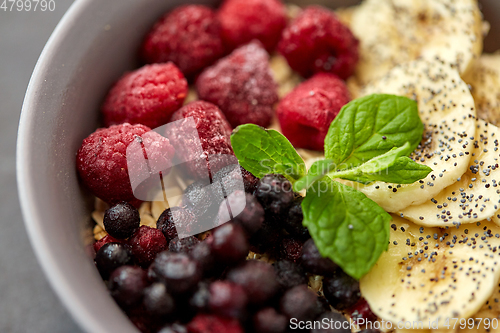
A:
476,196
487,319
431,274
447,110
484,79
392,32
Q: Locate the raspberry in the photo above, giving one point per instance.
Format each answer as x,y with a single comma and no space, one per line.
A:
242,86
306,113
214,134
147,96
316,41
102,162
146,243
206,323
189,36
291,249
362,311
245,20
105,240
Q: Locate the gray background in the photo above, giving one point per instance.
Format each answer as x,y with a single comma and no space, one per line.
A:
27,303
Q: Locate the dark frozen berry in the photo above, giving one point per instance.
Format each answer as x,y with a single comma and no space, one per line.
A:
291,249
242,86
267,238
208,323
212,131
231,177
202,253
175,216
293,222
245,210
300,302
177,270
202,199
306,113
361,311
227,299
337,323
245,20
257,278
275,194
141,322
105,240
111,256
102,160
316,41
370,330
341,290
289,274
200,298
157,301
173,328
146,243
313,262
127,284
121,220
189,36
147,96
230,244
183,245
268,320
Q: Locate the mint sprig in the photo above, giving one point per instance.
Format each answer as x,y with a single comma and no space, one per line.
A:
369,140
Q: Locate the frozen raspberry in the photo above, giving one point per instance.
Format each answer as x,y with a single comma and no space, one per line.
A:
291,249
306,113
207,323
214,133
105,240
172,216
102,161
245,20
241,85
362,311
316,41
268,320
189,36
147,96
146,243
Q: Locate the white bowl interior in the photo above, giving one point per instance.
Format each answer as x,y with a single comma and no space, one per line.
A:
92,46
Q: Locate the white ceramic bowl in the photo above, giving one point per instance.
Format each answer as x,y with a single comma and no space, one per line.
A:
95,42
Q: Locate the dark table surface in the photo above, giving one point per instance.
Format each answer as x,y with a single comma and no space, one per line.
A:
27,303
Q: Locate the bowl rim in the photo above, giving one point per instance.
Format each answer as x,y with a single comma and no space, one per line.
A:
33,223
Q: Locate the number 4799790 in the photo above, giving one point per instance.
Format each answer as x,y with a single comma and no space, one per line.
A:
27,5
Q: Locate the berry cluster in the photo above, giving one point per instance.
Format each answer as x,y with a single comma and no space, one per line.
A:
168,284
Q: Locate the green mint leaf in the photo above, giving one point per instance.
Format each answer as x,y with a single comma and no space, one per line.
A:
346,226
262,151
391,167
370,126
317,171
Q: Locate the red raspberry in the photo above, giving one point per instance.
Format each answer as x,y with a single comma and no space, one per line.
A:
242,85
106,239
189,36
291,249
214,134
316,41
307,112
245,20
147,96
361,310
102,161
146,243
206,323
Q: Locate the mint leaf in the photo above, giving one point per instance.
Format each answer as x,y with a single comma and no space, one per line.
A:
317,171
262,151
346,226
357,133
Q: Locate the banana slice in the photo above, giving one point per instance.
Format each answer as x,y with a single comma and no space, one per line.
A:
487,319
392,32
447,110
484,79
432,274
476,196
